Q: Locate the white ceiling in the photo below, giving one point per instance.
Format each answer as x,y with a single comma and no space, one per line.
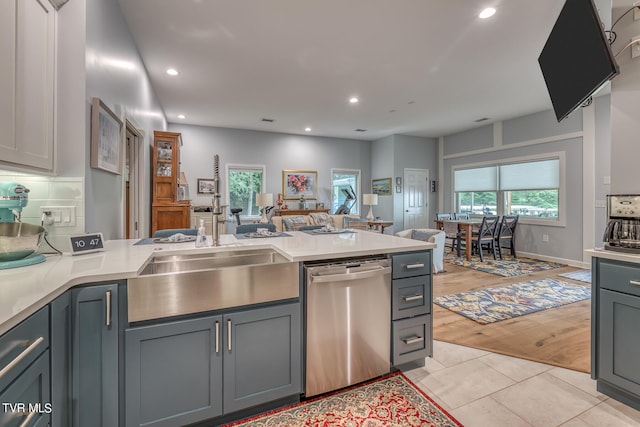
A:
420,67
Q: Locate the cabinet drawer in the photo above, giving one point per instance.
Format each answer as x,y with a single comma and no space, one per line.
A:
410,297
619,276
28,397
411,339
22,345
411,264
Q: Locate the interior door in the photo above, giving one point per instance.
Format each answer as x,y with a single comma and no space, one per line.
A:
416,198
132,182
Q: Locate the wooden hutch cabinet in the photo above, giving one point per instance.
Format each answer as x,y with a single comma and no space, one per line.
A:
166,210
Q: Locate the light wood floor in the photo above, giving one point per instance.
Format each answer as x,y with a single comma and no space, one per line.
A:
559,336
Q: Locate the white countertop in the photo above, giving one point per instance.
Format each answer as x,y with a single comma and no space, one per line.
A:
619,256
25,290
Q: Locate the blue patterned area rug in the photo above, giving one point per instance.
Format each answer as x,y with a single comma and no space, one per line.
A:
506,302
387,401
506,267
580,275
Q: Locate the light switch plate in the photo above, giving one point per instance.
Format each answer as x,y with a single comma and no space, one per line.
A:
63,216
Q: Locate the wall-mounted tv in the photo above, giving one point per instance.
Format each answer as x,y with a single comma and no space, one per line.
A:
576,60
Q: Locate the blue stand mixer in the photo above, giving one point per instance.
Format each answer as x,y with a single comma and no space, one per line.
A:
18,240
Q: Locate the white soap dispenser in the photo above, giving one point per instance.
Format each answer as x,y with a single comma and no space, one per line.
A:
201,239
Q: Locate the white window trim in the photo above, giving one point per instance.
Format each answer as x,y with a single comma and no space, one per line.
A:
358,185
560,221
227,196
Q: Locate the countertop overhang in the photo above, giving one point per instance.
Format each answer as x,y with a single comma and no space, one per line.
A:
614,255
25,290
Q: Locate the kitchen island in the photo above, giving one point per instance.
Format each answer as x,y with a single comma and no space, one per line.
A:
84,299
615,316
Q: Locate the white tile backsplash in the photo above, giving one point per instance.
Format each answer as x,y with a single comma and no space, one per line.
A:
51,191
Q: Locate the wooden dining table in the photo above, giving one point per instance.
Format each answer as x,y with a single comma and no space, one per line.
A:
467,226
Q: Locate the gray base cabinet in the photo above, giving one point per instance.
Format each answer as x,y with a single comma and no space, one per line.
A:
616,336
411,300
61,314
192,370
95,356
25,381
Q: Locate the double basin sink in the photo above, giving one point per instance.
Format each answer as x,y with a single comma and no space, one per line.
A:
175,285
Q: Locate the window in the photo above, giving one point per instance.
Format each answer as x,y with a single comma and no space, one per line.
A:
345,181
530,189
243,183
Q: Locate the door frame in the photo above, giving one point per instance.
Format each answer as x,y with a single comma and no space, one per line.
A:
136,181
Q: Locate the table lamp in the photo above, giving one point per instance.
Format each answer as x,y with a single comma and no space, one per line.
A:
263,200
370,199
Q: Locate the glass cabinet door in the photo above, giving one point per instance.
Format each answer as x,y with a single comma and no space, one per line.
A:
165,157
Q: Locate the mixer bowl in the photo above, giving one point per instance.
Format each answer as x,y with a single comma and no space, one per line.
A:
19,240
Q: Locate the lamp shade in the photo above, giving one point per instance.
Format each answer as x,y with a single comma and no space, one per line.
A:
183,179
264,199
369,199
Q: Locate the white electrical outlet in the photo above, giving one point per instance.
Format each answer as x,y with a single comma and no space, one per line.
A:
545,237
63,216
635,48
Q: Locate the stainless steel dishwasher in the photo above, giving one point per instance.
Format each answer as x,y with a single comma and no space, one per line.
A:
348,321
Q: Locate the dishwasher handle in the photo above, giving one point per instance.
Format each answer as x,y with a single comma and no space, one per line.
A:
355,275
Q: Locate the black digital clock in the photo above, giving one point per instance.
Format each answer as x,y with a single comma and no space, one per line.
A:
86,243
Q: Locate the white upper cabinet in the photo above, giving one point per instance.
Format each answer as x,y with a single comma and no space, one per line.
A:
27,49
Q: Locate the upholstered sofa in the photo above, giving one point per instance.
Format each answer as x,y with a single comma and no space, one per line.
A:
431,235
311,219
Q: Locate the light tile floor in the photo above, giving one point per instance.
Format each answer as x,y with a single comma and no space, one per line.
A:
482,389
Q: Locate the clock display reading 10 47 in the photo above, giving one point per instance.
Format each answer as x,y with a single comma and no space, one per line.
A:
87,243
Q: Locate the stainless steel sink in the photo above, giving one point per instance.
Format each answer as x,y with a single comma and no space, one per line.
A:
176,285
240,258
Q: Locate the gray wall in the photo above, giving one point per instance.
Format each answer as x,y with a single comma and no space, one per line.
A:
126,91
540,134
276,151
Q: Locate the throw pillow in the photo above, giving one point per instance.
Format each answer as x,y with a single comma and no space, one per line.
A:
423,235
320,218
288,222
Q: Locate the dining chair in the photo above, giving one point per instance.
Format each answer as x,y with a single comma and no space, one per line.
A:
252,228
507,234
461,215
486,235
452,233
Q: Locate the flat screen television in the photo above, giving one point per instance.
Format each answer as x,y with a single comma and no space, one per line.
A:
576,60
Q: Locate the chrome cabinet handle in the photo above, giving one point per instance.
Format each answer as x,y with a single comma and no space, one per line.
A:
634,282
413,340
27,420
217,336
414,266
108,308
412,298
229,334
21,356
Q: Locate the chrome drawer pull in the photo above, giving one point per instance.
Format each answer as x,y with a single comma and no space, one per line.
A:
229,334
217,336
414,266
21,356
634,282
27,420
416,339
107,297
413,298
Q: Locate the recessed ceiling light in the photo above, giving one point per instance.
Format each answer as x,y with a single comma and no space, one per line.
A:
307,129
172,72
354,100
487,13
182,116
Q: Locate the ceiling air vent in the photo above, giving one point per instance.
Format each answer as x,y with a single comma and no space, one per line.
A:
268,120
481,120
361,130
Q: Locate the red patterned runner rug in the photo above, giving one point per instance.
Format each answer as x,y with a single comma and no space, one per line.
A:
392,400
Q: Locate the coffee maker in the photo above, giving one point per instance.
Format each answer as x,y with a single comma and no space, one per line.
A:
622,233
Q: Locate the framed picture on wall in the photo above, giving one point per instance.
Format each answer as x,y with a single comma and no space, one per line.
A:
381,187
106,129
206,186
298,183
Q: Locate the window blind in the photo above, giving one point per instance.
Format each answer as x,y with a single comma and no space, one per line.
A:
537,175
478,179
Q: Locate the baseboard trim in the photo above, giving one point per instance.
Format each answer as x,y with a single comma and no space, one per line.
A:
571,262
